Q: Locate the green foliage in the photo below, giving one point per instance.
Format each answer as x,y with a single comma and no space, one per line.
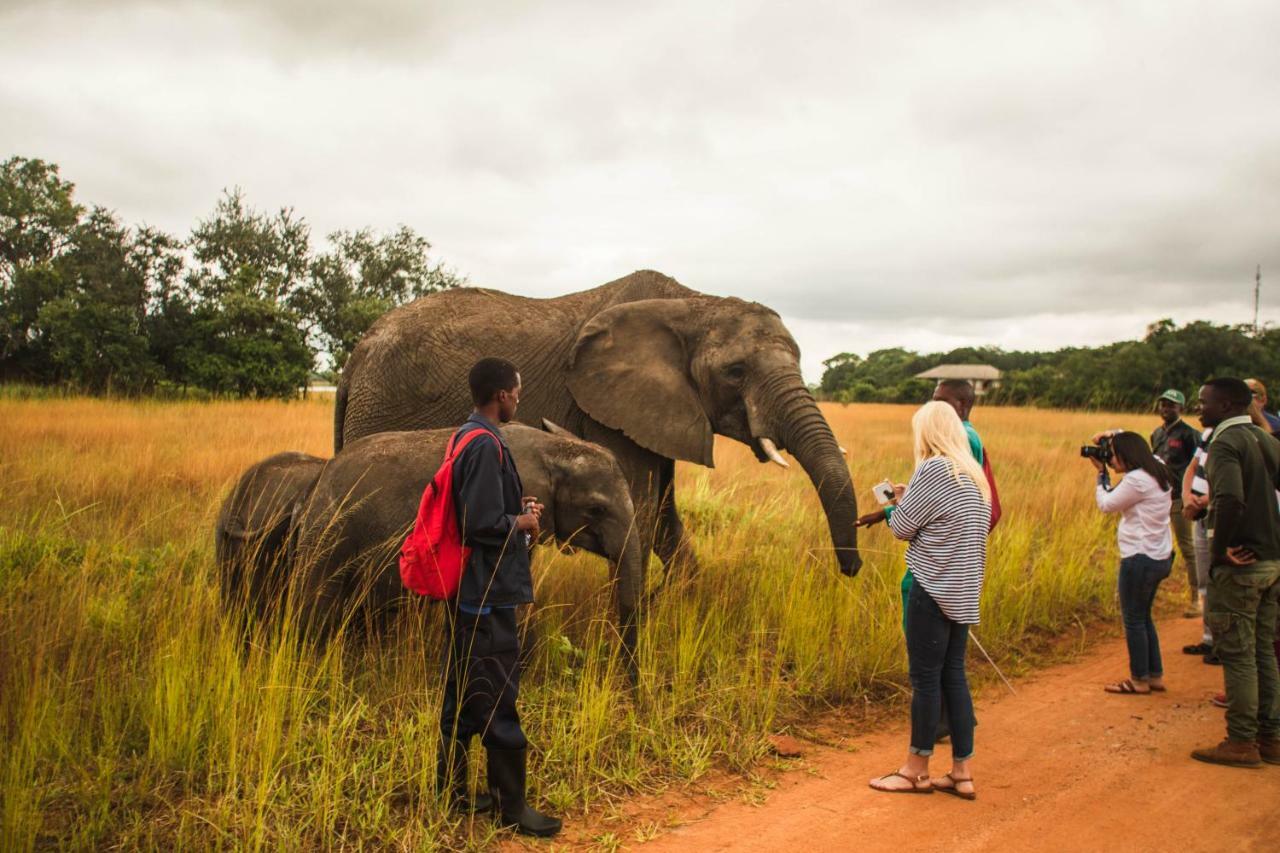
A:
364,276
243,307
1127,375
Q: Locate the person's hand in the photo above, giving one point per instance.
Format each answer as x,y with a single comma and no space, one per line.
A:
1241,556
870,519
533,506
1097,463
899,490
1097,437
1193,505
528,523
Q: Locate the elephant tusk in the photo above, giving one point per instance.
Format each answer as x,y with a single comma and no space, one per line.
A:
843,452
771,450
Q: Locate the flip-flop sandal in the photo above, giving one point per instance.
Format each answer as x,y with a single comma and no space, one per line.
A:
1126,688
1160,689
914,789
954,788
1197,649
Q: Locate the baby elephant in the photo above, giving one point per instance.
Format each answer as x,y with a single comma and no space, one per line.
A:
252,534
346,528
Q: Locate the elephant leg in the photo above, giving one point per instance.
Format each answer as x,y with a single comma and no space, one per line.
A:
671,543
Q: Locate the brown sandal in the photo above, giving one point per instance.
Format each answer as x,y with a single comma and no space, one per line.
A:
954,788
1126,688
915,784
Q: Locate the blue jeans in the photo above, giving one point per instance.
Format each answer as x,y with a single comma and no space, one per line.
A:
935,650
1140,577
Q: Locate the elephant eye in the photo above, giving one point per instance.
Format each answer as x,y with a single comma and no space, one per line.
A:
736,371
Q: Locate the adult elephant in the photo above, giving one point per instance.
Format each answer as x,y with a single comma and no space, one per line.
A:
345,533
643,366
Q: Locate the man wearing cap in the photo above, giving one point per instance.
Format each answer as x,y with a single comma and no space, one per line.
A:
1175,442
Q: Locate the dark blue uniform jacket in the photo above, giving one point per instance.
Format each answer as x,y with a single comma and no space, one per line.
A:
488,491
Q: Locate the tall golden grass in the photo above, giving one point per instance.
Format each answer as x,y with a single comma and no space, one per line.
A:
132,714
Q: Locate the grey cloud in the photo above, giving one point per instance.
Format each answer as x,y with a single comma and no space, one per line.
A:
906,164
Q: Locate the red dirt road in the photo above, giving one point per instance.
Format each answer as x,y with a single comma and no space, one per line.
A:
1060,766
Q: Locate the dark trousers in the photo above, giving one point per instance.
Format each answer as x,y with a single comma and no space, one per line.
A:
1244,606
935,650
1140,577
482,680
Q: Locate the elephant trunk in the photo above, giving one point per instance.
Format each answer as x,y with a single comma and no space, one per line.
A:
802,429
628,562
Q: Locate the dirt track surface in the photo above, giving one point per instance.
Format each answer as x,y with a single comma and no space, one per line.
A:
1060,766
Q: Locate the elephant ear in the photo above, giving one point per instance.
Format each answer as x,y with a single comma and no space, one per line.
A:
629,370
555,429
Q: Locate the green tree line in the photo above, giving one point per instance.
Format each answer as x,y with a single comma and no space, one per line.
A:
1124,375
244,305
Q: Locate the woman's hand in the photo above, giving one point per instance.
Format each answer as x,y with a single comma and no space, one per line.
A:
1097,463
899,490
870,519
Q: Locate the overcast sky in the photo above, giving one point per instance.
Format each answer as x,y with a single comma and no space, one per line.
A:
923,174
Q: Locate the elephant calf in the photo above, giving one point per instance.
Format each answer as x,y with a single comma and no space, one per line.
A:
252,533
346,527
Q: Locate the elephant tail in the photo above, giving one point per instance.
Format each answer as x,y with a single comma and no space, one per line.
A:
339,412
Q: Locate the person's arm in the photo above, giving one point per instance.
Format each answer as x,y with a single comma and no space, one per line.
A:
482,513
921,503
1226,485
1188,477
1121,497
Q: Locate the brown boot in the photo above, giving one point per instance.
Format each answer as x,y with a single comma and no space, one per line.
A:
1233,753
1269,749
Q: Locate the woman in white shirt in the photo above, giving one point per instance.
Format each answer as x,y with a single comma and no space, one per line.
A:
1144,499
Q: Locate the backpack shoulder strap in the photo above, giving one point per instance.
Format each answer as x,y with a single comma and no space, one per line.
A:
457,445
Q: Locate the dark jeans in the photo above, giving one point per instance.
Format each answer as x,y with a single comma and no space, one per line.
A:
935,650
1140,577
482,680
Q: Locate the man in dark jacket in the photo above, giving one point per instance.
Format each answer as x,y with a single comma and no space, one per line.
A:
482,653
1175,442
1243,469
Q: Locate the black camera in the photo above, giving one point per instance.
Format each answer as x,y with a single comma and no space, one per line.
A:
1102,452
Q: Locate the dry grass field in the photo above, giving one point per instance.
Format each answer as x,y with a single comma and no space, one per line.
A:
132,715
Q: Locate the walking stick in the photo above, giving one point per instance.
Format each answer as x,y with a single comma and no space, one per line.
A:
978,643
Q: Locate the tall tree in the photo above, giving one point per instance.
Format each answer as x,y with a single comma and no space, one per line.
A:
38,216
96,331
361,278
247,285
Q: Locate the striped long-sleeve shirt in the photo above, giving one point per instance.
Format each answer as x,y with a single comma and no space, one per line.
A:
945,520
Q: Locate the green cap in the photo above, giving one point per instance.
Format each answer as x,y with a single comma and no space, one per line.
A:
1173,395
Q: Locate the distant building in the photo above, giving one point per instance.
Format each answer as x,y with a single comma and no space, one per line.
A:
983,376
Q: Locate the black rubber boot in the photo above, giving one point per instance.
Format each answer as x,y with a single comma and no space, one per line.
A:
452,765
507,784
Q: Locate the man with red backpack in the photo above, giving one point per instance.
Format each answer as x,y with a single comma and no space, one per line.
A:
482,650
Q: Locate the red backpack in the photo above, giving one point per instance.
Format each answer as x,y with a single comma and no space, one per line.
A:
433,555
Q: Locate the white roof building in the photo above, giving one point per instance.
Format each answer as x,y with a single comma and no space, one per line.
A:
982,376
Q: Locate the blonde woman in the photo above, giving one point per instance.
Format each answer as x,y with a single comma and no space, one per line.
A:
944,514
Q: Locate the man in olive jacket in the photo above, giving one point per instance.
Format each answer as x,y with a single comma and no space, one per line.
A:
1243,469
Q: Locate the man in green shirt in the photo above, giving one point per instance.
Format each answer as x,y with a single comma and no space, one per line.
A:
1243,469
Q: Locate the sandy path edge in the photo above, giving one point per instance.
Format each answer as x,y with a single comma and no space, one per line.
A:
1060,766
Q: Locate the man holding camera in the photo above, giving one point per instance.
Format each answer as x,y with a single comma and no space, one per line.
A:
1175,443
1243,470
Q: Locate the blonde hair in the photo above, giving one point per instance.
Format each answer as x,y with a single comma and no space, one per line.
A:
939,432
